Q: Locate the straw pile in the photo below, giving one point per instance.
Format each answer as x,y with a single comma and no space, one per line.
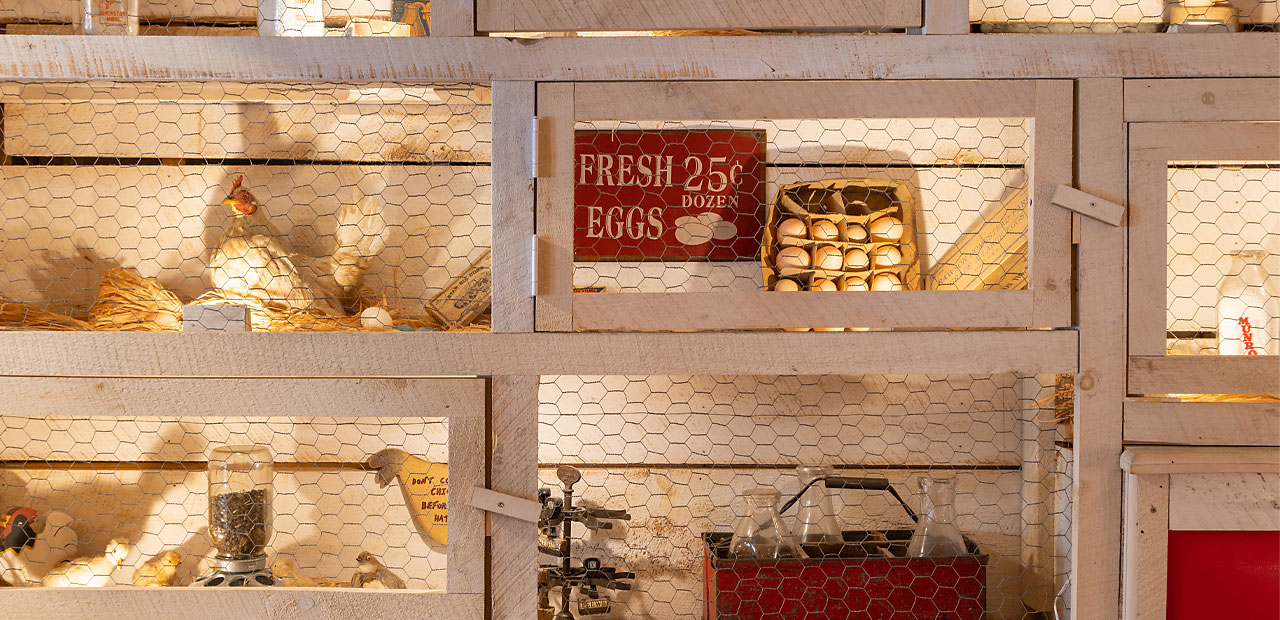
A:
271,318
129,302
18,316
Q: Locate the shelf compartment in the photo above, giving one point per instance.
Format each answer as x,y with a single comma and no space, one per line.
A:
374,194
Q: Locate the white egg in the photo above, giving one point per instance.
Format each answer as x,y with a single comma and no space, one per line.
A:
793,258
856,233
786,284
375,316
852,283
824,230
828,257
823,284
886,256
887,228
791,227
856,259
886,282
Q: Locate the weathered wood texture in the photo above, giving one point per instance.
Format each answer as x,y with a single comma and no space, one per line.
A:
1202,100
279,397
409,355
1224,501
199,11
1199,460
1204,424
1100,387
1204,374
574,15
247,603
1146,547
513,207
668,58
1049,237
554,270
514,471
468,464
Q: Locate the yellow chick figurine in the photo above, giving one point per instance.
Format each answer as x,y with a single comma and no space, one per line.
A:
286,574
425,486
158,572
92,572
373,575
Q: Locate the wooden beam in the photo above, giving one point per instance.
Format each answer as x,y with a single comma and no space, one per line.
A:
585,15
279,397
1202,424
467,467
772,310
513,206
553,307
1205,141
421,59
945,17
1100,387
453,18
221,603
1204,374
1237,501
1202,100
1049,255
1146,547
336,354
514,471
1199,460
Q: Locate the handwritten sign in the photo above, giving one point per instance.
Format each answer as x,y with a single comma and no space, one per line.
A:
668,195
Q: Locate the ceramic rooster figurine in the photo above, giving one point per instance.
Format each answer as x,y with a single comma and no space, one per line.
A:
253,260
425,486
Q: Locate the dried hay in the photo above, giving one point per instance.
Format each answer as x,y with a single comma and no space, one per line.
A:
129,302
19,316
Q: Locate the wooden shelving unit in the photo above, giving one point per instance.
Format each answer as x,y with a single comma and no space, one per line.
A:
1100,104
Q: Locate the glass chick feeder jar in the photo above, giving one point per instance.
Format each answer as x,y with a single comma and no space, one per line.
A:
240,515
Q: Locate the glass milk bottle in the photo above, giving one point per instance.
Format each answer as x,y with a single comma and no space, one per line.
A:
761,535
816,521
1248,317
110,17
936,534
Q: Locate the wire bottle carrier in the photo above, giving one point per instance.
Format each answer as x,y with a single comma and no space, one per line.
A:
867,577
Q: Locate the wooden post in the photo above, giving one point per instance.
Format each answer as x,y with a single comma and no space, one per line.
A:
1100,387
453,18
513,204
514,470
944,17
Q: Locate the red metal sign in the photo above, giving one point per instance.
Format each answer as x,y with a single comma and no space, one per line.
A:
668,195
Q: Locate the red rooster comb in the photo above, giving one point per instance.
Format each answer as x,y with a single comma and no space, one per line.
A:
239,198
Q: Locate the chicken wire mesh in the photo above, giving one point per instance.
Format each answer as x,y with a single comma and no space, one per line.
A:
1114,16
853,204
138,487
317,207
679,453
1224,259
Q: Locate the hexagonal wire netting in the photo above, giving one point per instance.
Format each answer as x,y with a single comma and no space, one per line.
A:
679,453
143,481
1107,16
1224,259
857,204
316,207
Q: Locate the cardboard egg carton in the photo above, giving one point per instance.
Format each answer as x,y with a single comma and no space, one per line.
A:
849,204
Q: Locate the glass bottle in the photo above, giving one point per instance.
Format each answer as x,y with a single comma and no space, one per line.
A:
111,17
240,504
761,535
1247,315
816,521
936,534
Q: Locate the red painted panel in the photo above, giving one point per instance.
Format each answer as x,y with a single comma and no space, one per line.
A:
1224,575
668,195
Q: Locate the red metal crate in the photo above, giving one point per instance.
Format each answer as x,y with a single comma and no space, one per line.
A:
861,583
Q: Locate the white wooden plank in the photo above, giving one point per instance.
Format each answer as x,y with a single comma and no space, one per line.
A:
406,355
1049,253
1202,100
467,469
554,272
1193,459
668,58
1224,502
249,603
279,397
505,505
946,17
1205,424
562,15
513,207
771,310
1146,547
514,471
1100,386
1068,197
1205,141
1204,374
452,18
1148,258
204,11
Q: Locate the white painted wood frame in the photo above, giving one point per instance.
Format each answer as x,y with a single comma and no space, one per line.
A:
1201,424
1152,145
585,15
462,401
1188,488
1046,303
514,471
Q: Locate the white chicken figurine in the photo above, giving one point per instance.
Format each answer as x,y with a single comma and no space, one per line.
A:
254,261
94,572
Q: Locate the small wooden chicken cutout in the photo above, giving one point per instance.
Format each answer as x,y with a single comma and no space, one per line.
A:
425,486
